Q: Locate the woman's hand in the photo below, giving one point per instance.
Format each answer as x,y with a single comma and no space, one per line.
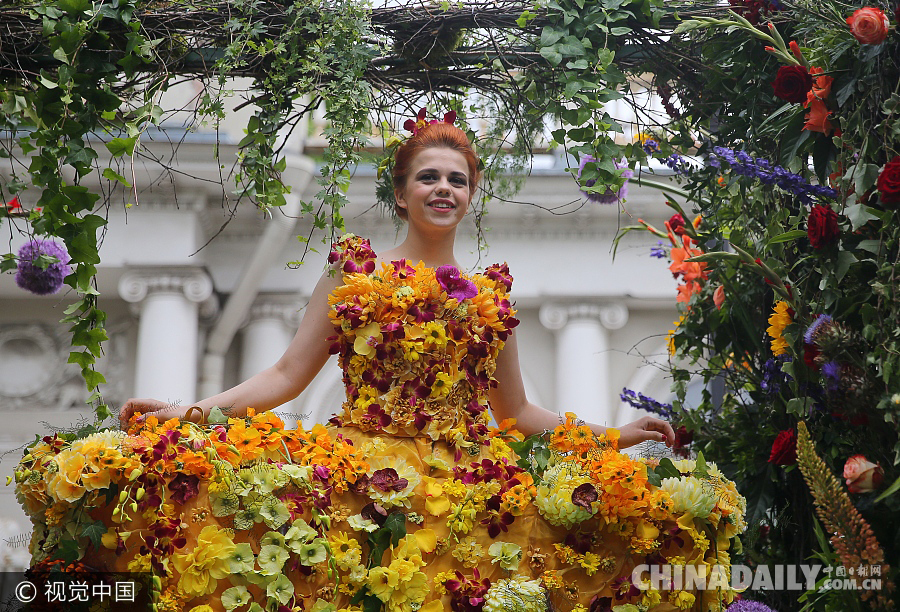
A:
646,428
162,410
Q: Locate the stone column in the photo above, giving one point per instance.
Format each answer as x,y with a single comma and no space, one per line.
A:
168,301
269,329
583,357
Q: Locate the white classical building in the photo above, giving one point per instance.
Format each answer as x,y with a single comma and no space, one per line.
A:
200,297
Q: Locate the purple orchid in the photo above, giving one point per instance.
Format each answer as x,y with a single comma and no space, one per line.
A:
456,287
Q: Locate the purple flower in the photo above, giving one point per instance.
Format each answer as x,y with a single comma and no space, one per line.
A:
642,402
609,196
832,373
387,480
456,287
745,605
773,375
810,336
184,487
650,146
584,495
659,250
743,164
39,280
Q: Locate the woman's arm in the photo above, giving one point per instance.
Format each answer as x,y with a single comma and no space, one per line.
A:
274,386
508,401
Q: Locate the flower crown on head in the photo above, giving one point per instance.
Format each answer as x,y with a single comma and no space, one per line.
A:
414,125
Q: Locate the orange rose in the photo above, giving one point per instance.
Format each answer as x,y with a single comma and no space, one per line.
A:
862,475
869,25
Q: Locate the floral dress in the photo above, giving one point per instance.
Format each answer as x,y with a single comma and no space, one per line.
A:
407,500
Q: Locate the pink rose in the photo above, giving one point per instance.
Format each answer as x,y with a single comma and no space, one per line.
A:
869,25
862,475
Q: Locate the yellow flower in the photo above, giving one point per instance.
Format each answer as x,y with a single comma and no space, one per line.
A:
346,550
683,600
779,320
468,552
690,495
670,339
435,335
65,484
500,448
366,339
436,502
382,581
442,384
201,568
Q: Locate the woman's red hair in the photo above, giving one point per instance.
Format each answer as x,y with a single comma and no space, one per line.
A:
435,135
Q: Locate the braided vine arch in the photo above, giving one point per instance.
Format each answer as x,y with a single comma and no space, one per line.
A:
74,73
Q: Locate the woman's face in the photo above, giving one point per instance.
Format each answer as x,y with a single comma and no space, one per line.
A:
438,189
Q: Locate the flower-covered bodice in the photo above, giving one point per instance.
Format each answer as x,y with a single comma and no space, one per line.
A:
418,346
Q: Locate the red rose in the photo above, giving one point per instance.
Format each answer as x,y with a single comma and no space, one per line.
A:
784,448
792,83
889,182
676,224
822,226
869,25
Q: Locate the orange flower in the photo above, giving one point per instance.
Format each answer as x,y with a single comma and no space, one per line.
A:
817,116
719,297
245,439
821,88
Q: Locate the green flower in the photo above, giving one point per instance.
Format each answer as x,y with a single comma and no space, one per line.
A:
242,559
224,504
235,597
506,554
272,538
281,589
299,475
246,518
312,553
323,606
271,559
274,513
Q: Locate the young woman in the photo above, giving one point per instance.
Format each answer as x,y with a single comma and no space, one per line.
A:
426,351
435,177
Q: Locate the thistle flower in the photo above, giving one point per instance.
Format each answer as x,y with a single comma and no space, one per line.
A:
745,605
851,536
38,279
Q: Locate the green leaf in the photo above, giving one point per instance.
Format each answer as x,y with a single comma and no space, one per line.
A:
122,146
112,175
94,531
889,491
845,260
667,469
860,214
788,236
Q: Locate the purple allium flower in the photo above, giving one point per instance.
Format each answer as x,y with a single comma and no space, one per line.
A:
642,402
456,287
609,196
659,250
810,336
39,281
745,605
